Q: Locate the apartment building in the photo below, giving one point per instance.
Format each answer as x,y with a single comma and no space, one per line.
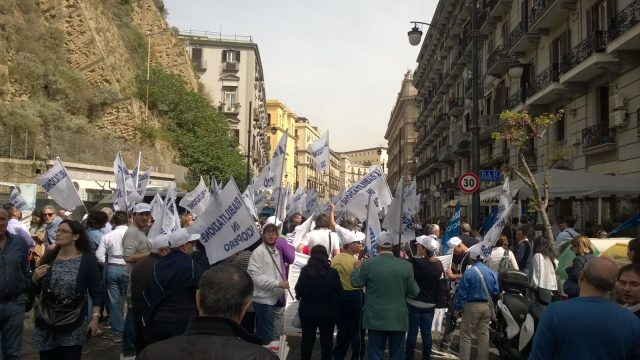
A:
230,70
542,56
401,134
350,173
368,156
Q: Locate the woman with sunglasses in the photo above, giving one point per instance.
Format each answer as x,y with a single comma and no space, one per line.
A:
69,272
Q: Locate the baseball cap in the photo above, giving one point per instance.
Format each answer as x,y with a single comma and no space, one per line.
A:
141,207
385,239
181,237
160,241
428,243
475,252
274,220
453,242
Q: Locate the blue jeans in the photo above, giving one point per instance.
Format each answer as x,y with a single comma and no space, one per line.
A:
11,321
378,341
116,288
264,322
422,319
129,335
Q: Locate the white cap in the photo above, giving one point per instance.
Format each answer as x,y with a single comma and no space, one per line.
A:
385,239
348,236
141,207
181,237
274,220
160,241
428,242
453,242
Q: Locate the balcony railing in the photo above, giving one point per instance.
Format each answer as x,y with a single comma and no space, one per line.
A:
544,79
462,142
597,135
231,66
514,100
515,35
538,9
445,153
594,43
199,64
497,54
624,20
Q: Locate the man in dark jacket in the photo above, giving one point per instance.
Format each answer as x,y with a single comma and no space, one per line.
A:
223,298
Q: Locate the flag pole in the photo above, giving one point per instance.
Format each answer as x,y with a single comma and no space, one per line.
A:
74,188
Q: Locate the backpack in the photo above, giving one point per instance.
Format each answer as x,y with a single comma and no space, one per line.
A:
504,262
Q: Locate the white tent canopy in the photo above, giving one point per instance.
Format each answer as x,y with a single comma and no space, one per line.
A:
566,184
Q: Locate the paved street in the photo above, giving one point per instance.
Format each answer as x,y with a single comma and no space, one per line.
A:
104,348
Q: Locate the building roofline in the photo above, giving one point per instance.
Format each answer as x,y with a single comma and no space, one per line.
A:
361,150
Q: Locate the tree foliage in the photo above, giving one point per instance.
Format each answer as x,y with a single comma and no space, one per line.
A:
195,129
519,129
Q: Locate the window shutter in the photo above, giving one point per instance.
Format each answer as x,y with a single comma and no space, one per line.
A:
237,55
590,21
196,53
224,56
566,43
611,9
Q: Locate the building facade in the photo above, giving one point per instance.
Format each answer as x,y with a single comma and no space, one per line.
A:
368,157
401,134
230,69
542,56
280,120
350,173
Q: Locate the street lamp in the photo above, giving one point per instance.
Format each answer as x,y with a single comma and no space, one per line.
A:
414,34
380,154
274,130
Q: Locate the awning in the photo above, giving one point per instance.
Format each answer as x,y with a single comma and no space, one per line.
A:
93,184
567,184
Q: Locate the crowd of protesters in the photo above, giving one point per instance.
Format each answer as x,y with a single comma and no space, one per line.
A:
162,298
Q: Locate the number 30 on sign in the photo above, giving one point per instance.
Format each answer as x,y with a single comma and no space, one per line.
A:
469,182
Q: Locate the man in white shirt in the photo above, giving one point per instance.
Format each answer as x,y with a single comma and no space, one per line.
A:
567,233
109,253
15,227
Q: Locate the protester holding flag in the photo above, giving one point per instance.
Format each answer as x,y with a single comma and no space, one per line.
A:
427,269
287,257
69,273
318,289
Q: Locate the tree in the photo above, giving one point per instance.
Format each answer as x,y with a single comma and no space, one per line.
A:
521,129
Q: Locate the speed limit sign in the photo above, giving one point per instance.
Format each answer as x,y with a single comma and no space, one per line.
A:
469,182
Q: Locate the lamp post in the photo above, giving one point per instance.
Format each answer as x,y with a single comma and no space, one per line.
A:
414,39
380,154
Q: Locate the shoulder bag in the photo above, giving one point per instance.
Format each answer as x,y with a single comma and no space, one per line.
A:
486,293
504,262
58,315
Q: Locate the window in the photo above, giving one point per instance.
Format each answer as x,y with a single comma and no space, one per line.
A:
235,136
230,56
603,105
560,129
230,97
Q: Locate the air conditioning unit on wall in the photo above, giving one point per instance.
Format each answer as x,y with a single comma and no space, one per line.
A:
618,117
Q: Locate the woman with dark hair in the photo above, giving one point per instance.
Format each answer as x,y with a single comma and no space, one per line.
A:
322,235
581,247
36,229
543,266
633,251
68,272
95,222
318,288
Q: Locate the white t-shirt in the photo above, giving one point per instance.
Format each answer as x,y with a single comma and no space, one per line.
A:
321,237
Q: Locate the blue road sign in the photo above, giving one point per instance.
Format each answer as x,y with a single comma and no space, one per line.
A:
490,175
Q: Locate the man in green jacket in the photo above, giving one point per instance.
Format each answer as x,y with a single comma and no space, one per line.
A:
388,282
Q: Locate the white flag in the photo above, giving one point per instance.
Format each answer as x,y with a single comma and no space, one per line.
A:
373,227
169,220
297,204
284,197
126,191
249,202
57,184
311,199
392,221
156,207
260,199
276,171
197,200
17,200
136,171
321,153
491,237
215,187
411,199
226,226
143,182
262,178
301,230
354,200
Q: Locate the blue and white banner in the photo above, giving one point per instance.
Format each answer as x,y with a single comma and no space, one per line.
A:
311,199
249,201
491,237
271,175
260,199
157,208
453,228
169,220
633,221
321,153
225,226
136,171
411,202
355,199
197,200
17,200
125,187
298,204
143,182
58,185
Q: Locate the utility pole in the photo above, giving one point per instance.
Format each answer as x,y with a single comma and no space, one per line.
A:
475,111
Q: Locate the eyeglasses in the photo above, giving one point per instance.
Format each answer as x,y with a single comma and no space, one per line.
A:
48,214
64,231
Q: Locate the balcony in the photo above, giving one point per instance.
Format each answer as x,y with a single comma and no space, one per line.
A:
624,32
516,99
230,66
498,62
456,106
544,14
499,8
446,153
545,88
462,143
230,109
200,65
519,40
488,124
489,20
598,138
587,60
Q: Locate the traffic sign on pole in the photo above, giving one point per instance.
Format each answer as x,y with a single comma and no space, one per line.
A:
469,182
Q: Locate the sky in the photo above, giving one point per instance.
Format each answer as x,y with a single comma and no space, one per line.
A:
339,63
